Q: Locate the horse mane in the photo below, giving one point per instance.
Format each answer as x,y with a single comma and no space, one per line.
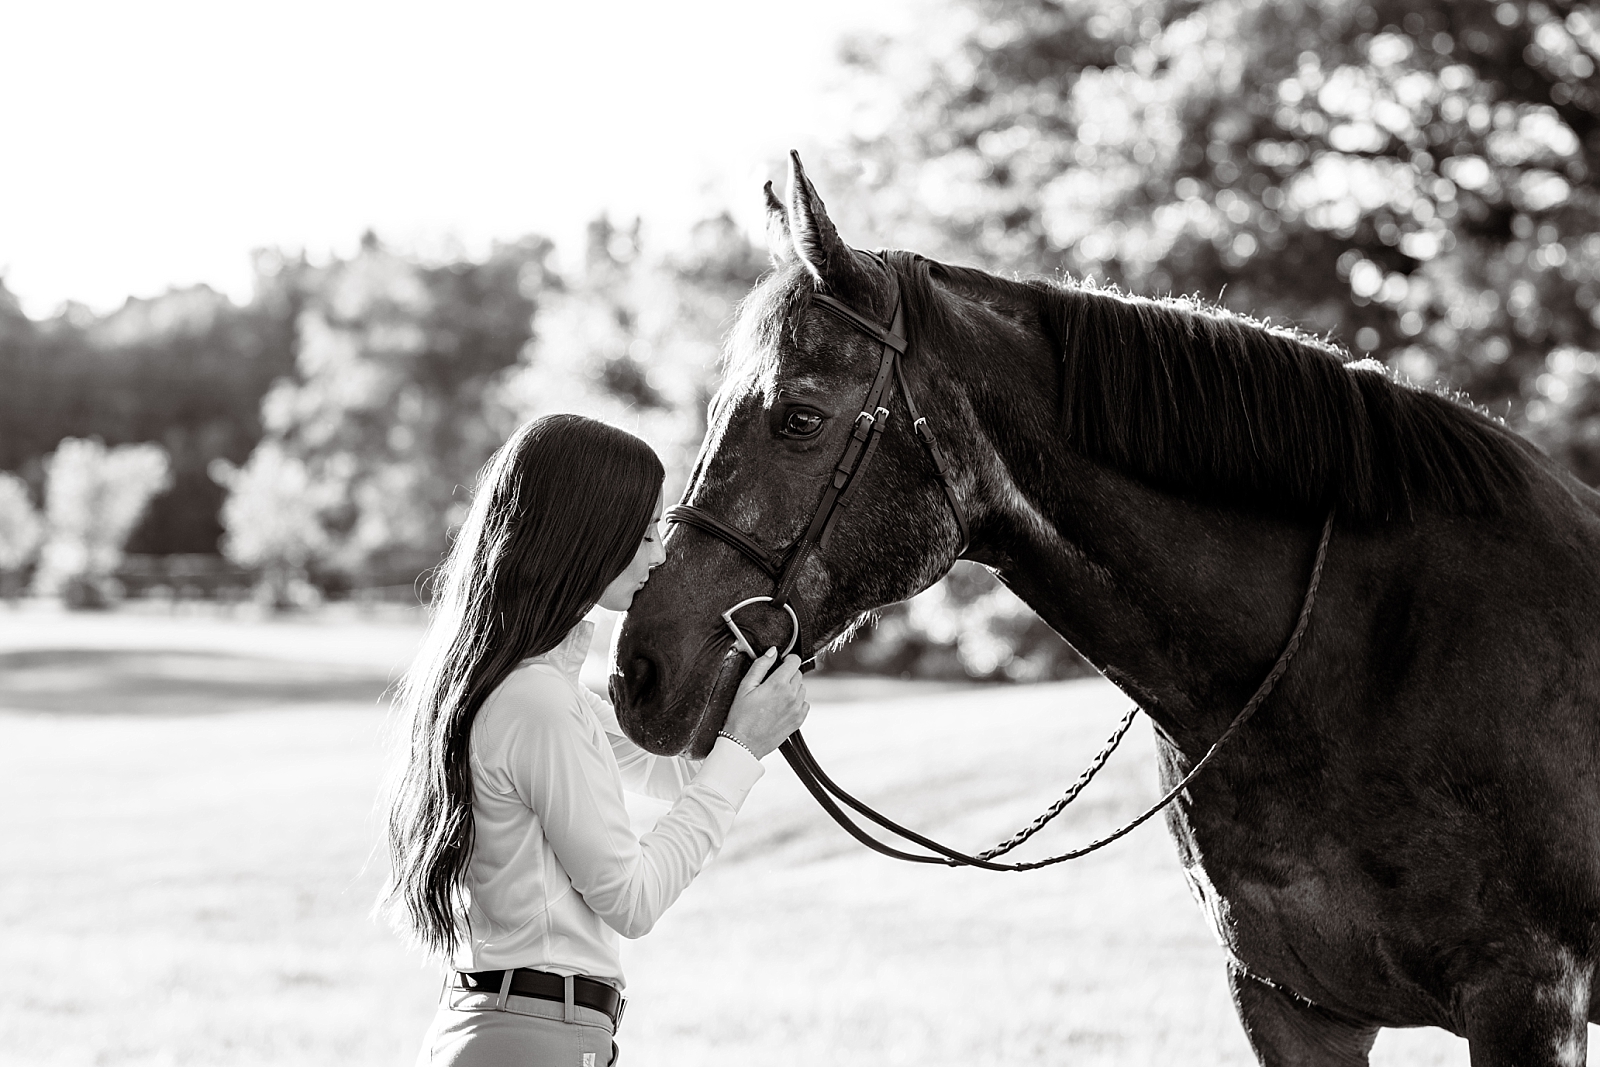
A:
1215,405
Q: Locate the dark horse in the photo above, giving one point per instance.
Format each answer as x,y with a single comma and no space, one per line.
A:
1408,833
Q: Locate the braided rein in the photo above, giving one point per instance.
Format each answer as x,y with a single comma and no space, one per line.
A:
1262,692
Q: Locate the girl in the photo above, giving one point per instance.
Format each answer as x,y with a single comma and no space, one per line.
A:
508,838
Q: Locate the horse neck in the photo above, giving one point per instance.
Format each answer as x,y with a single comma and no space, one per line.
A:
1182,605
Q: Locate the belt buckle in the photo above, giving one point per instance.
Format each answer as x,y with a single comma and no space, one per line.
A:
622,1006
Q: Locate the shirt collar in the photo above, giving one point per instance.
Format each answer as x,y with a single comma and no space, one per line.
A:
568,656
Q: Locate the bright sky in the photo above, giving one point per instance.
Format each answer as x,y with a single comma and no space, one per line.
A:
153,144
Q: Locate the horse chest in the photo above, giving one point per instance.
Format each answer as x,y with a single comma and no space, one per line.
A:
1310,923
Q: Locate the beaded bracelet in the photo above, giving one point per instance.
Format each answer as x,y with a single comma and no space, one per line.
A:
741,744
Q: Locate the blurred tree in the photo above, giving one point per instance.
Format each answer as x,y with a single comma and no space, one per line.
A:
635,339
1416,177
274,517
187,369
94,497
391,410
21,530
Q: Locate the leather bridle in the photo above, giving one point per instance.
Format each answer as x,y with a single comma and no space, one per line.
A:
783,567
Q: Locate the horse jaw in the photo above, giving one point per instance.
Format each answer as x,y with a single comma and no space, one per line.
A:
661,735
718,702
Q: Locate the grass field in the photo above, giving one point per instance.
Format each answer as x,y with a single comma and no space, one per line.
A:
186,810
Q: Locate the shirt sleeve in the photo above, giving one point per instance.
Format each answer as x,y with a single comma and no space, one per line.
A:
644,773
563,767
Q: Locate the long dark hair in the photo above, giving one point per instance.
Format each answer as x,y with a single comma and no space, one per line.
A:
558,513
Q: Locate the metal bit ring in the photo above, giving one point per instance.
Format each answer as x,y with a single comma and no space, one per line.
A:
742,643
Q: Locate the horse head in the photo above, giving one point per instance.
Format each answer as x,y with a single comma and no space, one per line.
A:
792,397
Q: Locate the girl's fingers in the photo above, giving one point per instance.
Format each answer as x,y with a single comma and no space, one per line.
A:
758,670
789,668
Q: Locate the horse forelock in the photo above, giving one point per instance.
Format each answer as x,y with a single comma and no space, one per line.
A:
768,313
1219,406
764,349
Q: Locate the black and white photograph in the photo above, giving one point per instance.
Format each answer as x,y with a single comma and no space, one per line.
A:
944,533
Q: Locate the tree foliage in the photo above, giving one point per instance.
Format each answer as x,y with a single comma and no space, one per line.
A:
1415,177
634,339
187,370
389,414
94,497
273,515
21,526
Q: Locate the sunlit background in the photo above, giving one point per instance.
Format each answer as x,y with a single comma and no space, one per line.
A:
275,279
159,143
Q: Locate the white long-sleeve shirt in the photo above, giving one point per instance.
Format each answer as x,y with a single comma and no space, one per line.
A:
557,872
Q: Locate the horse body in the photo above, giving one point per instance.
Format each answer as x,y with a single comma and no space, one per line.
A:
1408,833
1411,823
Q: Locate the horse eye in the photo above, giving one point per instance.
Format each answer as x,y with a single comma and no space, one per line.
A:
802,422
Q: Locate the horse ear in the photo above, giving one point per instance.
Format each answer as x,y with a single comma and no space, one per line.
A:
816,242
779,244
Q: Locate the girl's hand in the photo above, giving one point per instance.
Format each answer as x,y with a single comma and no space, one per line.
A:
768,707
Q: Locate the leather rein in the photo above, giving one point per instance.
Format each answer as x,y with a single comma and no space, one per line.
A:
783,567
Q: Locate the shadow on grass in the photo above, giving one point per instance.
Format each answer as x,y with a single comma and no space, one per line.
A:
165,682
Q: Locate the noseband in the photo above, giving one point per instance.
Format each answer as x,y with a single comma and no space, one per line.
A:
783,567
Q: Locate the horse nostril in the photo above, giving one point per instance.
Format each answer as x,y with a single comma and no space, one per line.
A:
640,679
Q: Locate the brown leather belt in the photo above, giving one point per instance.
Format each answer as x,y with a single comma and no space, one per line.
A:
544,986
